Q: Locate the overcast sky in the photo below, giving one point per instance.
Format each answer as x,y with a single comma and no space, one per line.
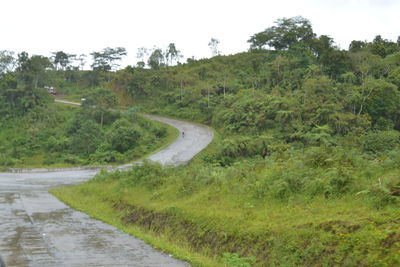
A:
83,26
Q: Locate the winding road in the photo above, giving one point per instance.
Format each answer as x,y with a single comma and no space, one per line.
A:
36,229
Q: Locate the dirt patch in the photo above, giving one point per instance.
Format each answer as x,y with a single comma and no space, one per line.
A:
391,239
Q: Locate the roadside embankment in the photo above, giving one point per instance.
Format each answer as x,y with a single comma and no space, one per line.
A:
212,219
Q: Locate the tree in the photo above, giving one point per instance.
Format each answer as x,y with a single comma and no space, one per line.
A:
322,44
101,99
87,138
32,70
213,44
172,54
382,102
23,57
19,90
105,60
7,61
394,77
140,64
62,59
383,47
356,46
364,65
82,60
141,54
156,59
286,33
123,136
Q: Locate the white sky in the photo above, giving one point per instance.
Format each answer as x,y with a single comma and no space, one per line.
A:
83,26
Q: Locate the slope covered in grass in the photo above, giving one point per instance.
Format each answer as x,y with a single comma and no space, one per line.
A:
305,171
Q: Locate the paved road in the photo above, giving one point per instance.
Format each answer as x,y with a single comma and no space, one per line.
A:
38,230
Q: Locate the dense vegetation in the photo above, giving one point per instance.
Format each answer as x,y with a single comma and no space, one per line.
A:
306,99
37,132
305,170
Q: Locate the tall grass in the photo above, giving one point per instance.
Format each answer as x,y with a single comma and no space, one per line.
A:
285,210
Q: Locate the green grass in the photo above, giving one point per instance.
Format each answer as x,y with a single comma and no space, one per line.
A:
81,197
200,213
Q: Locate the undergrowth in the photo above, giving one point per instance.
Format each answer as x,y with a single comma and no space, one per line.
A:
290,209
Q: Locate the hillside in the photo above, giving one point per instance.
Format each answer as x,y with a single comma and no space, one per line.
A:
305,171
305,167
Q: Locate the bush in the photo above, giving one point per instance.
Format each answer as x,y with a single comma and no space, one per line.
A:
232,149
7,161
150,175
72,159
159,131
376,142
384,191
87,138
318,157
123,135
105,154
56,144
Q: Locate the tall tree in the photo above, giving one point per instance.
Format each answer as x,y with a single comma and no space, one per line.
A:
82,60
103,100
141,54
7,61
383,47
356,45
172,54
62,60
156,59
106,59
213,44
286,33
32,70
20,89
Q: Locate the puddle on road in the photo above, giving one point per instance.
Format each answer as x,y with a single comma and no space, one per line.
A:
50,217
8,198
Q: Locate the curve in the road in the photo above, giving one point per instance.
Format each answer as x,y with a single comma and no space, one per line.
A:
36,229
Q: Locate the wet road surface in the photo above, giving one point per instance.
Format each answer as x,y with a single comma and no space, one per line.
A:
36,229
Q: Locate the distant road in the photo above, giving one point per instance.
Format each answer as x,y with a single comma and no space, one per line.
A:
67,102
36,229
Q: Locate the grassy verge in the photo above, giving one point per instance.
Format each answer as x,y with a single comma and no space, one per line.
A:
226,216
108,212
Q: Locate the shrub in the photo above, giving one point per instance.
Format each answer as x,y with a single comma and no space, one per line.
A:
159,131
56,144
123,135
150,175
87,138
376,142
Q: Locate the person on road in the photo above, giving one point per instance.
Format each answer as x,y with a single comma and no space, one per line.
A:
183,134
